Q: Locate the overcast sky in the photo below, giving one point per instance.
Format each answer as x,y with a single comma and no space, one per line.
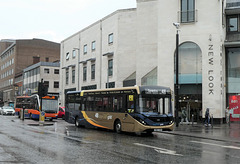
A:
53,20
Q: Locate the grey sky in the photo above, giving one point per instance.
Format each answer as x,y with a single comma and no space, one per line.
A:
53,20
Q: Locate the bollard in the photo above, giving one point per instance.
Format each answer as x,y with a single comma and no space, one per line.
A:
192,119
23,112
212,120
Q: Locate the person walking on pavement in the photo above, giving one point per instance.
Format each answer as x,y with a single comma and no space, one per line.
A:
207,117
184,116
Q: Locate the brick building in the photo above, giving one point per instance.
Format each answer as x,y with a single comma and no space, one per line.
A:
16,55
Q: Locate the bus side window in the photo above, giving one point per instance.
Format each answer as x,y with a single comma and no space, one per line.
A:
99,103
118,104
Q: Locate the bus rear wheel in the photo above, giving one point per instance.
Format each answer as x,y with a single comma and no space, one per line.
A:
118,126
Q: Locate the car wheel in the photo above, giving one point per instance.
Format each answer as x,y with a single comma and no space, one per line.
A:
118,126
63,117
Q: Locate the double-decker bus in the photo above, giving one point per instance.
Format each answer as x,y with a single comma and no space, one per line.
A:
129,109
33,109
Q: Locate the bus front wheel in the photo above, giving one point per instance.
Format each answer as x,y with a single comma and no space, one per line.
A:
76,122
118,126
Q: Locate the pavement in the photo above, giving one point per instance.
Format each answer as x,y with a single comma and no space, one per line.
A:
220,132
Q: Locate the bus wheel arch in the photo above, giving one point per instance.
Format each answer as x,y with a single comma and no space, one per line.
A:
117,126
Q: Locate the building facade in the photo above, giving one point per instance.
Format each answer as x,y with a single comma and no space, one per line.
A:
33,74
19,54
208,51
96,56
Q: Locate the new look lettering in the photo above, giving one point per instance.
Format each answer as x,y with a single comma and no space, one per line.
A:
210,70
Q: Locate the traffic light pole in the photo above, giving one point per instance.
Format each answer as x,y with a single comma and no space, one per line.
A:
41,96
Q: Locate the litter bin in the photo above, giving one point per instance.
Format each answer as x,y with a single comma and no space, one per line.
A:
41,117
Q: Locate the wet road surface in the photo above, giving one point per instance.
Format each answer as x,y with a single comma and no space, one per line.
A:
60,142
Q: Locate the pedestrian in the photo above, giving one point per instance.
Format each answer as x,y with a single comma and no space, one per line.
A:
184,116
207,117
227,115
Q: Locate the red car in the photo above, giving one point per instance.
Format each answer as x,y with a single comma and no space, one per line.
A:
61,112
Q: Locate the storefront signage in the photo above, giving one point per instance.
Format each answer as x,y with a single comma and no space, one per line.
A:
210,70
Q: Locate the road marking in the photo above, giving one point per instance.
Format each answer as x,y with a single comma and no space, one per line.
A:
223,146
159,150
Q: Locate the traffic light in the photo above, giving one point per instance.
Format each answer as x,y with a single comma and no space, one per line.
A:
42,89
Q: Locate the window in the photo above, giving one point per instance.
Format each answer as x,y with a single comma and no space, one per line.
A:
85,49
93,71
110,38
187,11
232,23
110,67
35,59
56,84
73,53
67,56
47,59
84,73
67,76
56,71
46,83
93,45
46,70
73,75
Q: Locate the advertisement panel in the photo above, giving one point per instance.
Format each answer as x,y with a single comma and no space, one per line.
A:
234,107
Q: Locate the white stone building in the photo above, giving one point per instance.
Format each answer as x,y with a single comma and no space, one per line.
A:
101,54
144,45
47,71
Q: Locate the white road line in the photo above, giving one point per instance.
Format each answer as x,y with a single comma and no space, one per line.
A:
159,150
223,146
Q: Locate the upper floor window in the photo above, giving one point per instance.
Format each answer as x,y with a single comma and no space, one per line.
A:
56,84
67,76
187,11
56,71
46,70
93,71
85,49
73,53
46,83
73,75
36,59
110,38
47,59
84,73
232,23
110,67
93,45
67,55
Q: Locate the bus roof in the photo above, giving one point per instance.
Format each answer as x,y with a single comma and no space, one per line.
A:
139,90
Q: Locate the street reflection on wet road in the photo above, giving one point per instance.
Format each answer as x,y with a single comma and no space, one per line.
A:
60,142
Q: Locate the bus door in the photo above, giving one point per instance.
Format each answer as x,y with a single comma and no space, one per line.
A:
128,121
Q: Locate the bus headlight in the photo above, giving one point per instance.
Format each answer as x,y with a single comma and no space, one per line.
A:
143,122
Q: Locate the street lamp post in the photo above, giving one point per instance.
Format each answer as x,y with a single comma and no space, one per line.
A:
78,66
177,25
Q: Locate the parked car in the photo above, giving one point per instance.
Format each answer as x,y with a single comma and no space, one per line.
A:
61,112
7,110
